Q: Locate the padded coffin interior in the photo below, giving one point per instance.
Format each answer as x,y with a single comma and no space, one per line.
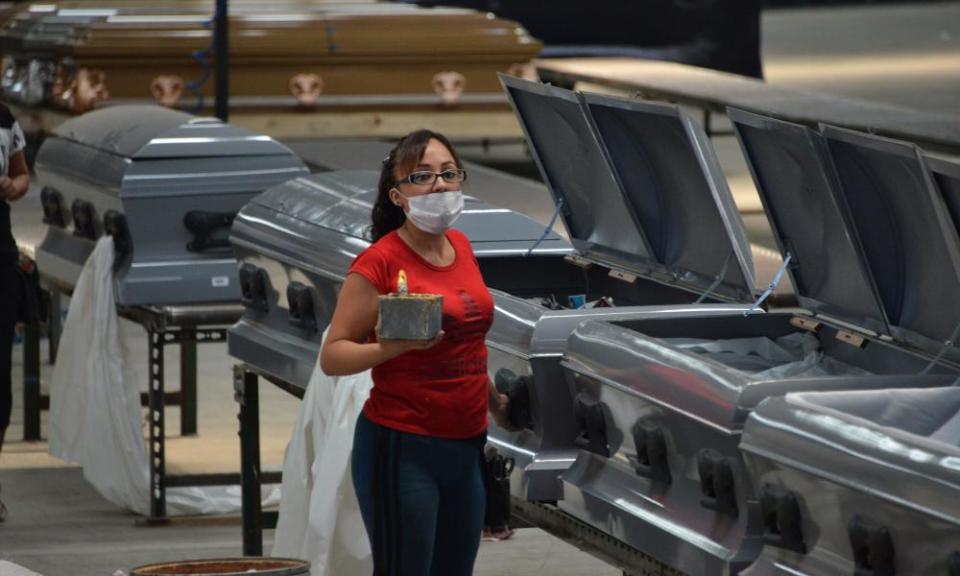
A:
933,412
873,356
795,355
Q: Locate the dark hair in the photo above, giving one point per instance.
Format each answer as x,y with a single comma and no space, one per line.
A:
387,216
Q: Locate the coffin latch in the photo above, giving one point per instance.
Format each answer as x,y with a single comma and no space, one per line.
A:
873,552
717,484
651,445
781,519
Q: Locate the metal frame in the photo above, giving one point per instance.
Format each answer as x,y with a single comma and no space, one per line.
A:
246,391
185,327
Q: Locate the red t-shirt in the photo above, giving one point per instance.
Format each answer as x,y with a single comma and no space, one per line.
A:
441,391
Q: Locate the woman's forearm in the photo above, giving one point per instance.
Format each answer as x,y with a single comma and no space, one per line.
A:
21,184
345,357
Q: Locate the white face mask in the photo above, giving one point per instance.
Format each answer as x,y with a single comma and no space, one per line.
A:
437,212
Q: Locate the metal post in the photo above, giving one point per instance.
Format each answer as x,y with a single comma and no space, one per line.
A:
188,383
247,394
158,493
31,381
54,326
222,55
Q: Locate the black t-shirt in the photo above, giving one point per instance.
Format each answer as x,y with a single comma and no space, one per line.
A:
11,142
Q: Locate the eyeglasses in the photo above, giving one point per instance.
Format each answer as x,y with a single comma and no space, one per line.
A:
427,177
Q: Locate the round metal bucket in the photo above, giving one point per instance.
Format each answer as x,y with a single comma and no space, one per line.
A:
226,567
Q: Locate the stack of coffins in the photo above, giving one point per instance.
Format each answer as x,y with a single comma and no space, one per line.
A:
166,186
649,212
296,241
661,402
289,55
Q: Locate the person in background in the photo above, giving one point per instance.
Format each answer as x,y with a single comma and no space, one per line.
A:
14,182
419,442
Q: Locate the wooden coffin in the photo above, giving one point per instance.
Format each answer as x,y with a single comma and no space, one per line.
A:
284,56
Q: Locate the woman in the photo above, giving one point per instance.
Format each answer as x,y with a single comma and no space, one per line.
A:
14,182
418,443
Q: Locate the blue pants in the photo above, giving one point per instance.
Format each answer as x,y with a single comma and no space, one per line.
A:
422,500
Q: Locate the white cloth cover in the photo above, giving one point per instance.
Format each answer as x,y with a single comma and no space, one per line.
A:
95,414
319,515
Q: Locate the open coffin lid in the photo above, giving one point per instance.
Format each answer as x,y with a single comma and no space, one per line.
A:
799,191
641,190
911,246
870,241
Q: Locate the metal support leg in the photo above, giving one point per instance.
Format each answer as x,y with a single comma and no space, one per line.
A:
158,493
54,326
188,383
31,382
706,123
247,394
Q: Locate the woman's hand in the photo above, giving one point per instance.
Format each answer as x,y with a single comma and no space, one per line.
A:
499,405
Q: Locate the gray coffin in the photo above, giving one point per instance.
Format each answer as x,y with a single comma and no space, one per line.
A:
857,482
661,402
296,241
166,186
649,212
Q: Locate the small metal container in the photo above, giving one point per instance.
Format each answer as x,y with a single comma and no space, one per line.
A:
410,317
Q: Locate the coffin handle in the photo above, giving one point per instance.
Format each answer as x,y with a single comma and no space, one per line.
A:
84,219
301,307
781,519
115,225
592,423
651,445
517,389
209,229
717,484
253,287
873,552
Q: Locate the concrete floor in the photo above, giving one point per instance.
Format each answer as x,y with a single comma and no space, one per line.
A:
907,55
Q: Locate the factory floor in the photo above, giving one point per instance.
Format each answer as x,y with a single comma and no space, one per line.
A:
58,525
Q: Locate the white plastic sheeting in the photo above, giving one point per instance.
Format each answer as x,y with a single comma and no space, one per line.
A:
319,515
793,356
95,413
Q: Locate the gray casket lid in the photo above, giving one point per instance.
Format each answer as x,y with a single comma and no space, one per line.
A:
911,246
799,191
673,184
641,188
902,445
148,132
341,201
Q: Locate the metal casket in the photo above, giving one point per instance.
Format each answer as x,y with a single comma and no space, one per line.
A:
166,186
851,482
857,483
296,241
661,402
649,212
